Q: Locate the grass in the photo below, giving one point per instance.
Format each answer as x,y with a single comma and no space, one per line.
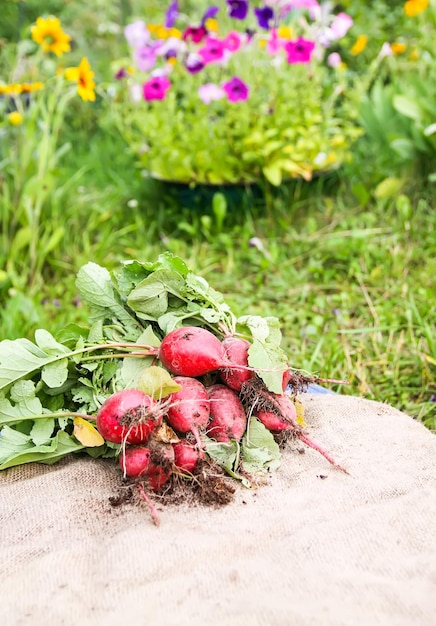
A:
350,273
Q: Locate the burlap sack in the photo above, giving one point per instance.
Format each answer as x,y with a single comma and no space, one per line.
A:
312,547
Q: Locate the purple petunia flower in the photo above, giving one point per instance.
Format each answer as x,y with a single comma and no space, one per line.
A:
209,92
156,88
299,51
238,9
194,63
236,90
209,13
213,50
264,16
171,14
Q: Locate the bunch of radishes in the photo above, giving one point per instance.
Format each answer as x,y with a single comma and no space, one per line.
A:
219,408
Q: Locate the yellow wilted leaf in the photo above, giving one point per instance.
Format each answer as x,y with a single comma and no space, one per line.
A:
86,433
157,383
299,406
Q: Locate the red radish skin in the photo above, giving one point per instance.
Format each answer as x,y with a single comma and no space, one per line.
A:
192,351
135,461
228,419
186,456
237,354
128,416
283,416
189,407
161,463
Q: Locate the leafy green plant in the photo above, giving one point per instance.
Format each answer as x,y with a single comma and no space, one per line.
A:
33,108
231,107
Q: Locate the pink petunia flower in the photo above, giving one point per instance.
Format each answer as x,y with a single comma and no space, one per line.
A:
340,26
212,51
299,51
136,34
334,59
145,58
156,88
210,92
232,41
236,90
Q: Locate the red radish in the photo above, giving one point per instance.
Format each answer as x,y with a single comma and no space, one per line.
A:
286,378
128,416
228,419
192,351
237,353
161,463
278,414
189,408
135,461
186,456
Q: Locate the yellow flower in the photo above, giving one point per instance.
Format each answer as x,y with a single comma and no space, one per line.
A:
175,32
414,55
359,45
398,48
212,25
284,32
48,33
84,77
415,7
31,87
15,118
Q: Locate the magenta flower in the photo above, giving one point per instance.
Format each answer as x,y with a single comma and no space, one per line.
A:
210,92
264,15
196,34
232,42
213,50
156,88
238,9
299,51
236,90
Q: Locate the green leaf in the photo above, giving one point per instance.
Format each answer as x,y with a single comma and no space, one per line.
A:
227,457
23,403
132,368
98,291
42,430
55,374
17,448
149,299
157,382
259,450
269,361
273,173
408,107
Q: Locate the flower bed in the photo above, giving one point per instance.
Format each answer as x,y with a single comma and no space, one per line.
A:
242,93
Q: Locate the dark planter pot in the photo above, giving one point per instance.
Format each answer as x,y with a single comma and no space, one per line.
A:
200,196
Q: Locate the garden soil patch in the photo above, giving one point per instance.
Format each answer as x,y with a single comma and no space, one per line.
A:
312,546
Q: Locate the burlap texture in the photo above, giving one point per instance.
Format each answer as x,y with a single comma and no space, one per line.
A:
312,547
